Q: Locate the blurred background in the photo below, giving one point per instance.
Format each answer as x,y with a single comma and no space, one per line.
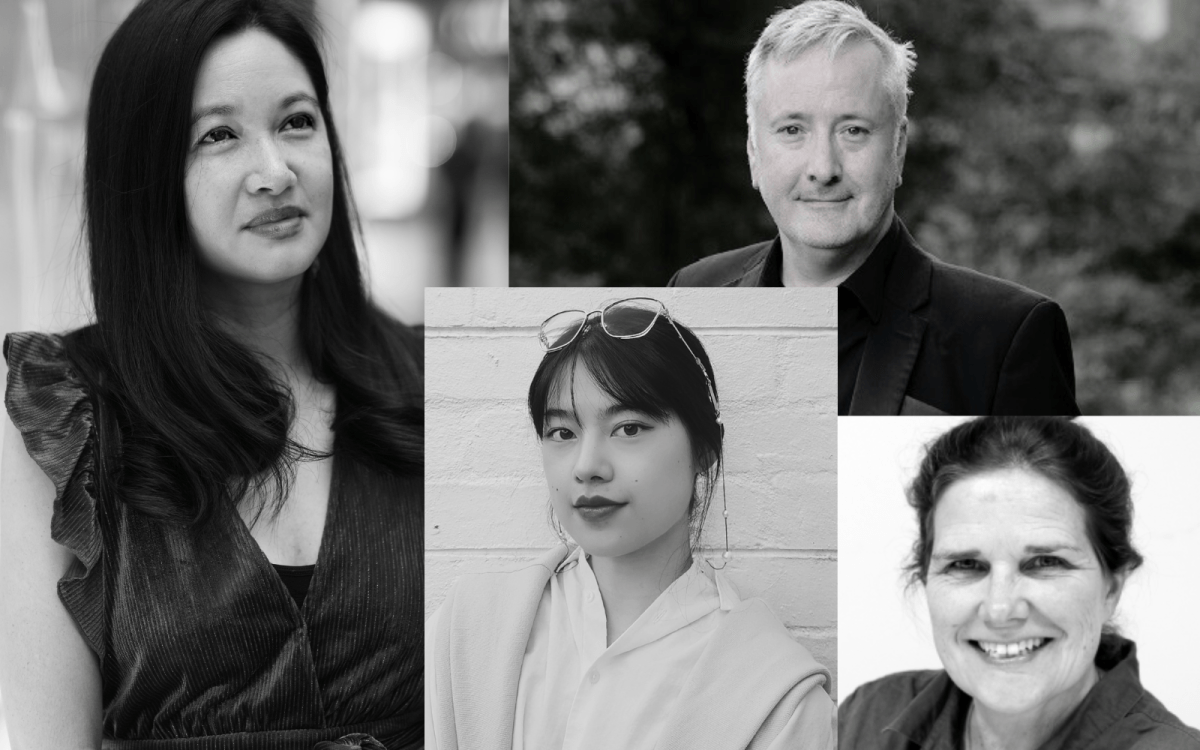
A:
420,95
1055,143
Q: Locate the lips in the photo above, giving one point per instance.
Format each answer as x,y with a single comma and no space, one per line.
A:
1010,650
830,200
595,501
273,215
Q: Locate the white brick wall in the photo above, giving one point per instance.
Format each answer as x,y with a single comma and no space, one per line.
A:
774,354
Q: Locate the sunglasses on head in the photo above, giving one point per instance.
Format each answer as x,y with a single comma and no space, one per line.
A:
624,319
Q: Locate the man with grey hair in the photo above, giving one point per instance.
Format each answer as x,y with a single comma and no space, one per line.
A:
826,104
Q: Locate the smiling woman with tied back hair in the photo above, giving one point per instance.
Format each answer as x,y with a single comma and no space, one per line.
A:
624,638
1025,540
211,509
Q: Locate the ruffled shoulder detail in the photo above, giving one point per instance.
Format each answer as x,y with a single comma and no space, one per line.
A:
51,406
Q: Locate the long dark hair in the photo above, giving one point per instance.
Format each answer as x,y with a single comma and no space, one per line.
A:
200,418
654,374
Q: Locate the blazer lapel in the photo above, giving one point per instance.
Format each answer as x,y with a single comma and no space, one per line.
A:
891,349
756,267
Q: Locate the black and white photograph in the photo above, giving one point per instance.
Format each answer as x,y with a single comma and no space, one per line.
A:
630,519
1017,582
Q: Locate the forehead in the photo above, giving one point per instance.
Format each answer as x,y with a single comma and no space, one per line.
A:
248,68
1006,510
816,84
575,389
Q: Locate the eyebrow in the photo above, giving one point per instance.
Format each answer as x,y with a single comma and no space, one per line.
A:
1030,549
229,109
608,412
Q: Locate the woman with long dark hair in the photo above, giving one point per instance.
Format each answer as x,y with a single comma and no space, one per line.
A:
222,475
622,636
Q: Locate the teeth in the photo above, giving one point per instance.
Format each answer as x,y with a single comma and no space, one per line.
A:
1009,650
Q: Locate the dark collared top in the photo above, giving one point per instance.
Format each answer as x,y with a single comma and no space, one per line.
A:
772,267
860,305
926,710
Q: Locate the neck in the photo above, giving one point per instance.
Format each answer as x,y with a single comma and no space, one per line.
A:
265,319
629,584
987,729
818,266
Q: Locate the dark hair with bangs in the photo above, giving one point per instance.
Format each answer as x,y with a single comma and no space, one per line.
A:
199,418
654,374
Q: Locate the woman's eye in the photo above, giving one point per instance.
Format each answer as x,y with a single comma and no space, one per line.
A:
558,433
302,120
1046,561
965,566
218,135
631,430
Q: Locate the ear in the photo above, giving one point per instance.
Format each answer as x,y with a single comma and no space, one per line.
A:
901,150
752,157
1116,585
704,460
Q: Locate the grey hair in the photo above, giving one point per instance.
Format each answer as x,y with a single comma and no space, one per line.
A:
832,23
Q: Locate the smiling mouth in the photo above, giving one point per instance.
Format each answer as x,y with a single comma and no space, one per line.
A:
1003,652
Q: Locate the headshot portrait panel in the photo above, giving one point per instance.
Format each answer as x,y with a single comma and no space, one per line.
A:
1039,197
498,496
990,581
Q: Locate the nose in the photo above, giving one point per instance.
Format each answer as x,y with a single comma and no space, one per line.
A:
824,163
270,172
1004,601
592,465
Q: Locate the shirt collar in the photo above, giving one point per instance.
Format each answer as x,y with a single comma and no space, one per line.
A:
689,598
935,718
869,280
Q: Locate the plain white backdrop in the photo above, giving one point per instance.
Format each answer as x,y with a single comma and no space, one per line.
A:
884,628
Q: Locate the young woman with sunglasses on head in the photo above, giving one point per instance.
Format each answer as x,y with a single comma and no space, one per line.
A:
628,639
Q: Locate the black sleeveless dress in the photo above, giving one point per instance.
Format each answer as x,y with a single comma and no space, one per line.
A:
201,645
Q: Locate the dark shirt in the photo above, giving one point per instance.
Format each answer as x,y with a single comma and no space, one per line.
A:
860,305
926,710
296,579
772,270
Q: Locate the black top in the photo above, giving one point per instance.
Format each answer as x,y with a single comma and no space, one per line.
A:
860,305
200,643
926,711
296,579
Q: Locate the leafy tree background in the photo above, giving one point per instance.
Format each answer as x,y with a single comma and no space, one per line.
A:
1048,144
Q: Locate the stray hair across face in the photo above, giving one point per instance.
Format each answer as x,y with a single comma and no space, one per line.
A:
654,374
199,419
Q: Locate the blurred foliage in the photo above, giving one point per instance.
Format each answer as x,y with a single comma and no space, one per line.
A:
1066,159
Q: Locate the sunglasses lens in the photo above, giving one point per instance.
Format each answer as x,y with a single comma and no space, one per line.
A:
631,317
560,329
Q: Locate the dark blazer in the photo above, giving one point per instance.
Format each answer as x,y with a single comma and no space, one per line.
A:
741,267
949,340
